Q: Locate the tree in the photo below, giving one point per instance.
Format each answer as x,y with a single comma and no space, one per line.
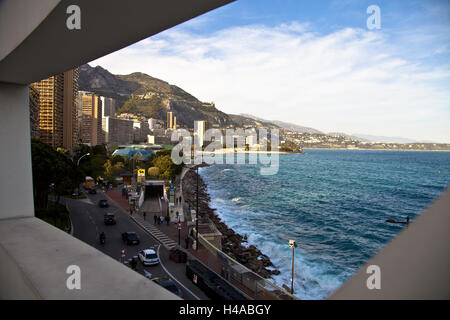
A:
52,171
113,170
92,165
167,169
153,172
100,150
96,164
164,152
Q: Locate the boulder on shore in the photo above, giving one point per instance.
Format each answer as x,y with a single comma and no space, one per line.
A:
251,257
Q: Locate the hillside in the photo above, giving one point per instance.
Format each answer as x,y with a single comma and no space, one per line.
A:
141,94
284,125
104,83
248,121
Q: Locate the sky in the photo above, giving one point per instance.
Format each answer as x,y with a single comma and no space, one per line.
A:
312,63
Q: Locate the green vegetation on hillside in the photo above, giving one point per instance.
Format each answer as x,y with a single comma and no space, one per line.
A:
150,108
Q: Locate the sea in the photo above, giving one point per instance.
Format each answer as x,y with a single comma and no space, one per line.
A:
333,203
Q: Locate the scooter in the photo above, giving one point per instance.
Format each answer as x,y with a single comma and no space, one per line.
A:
102,239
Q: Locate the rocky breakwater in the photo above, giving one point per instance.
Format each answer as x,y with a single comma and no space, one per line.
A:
232,242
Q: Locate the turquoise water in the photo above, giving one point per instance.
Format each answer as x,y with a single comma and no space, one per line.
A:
333,203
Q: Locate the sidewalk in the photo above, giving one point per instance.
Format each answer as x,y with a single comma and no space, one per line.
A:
168,236
176,270
247,281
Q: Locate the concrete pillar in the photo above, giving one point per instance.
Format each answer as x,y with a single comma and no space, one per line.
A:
16,192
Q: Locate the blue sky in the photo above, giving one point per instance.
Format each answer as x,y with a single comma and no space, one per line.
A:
313,63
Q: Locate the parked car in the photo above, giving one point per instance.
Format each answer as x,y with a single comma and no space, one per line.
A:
103,203
92,191
169,285
75,195
109,218
148,257
130,238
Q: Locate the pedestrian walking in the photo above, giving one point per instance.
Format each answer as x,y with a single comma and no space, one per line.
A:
133,264
161,219
155,217
186,241
144,214
167,220
131,211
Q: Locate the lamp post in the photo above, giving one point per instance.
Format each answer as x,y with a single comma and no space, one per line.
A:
87,154
196,218
78,164
292,245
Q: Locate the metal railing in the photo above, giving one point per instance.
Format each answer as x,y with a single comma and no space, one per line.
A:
240,276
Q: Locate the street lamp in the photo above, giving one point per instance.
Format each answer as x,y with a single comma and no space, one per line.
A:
292,245
87,154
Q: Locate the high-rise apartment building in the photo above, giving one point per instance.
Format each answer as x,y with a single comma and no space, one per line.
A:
70,125
57,109
108,107
34,113
91,119
141,130
199,133
169,120
152,123
117,131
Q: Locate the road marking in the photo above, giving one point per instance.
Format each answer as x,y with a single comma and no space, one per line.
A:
93,222
158,239
173,278
87,200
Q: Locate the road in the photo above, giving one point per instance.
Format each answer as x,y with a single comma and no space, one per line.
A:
87,220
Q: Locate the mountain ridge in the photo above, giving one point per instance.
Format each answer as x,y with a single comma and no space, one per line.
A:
143,95
146,96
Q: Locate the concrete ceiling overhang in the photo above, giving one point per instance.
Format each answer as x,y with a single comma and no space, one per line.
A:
106,26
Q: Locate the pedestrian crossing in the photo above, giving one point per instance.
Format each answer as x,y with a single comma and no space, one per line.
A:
155,232
87,200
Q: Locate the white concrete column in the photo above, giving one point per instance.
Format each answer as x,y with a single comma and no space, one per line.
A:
16,190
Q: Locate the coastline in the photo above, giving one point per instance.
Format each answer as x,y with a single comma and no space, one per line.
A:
248,152
360,149
232,242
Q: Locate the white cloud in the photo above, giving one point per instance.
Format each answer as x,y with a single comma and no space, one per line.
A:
351,80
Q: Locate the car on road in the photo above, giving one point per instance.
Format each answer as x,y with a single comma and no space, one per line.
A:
148,257
169,285
109,218
103,203
130,238
75,195
92,191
